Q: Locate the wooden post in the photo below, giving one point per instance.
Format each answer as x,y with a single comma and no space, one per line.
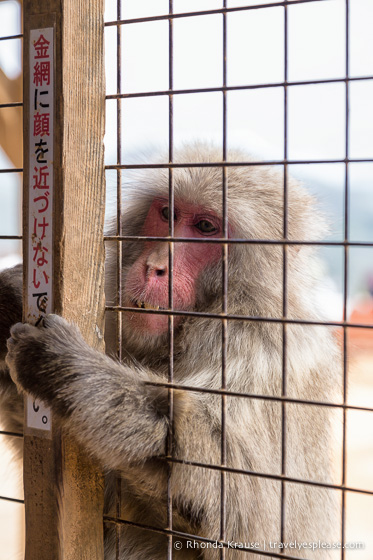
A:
63,488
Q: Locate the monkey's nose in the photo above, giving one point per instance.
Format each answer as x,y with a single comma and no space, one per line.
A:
160,271
157,262
156,270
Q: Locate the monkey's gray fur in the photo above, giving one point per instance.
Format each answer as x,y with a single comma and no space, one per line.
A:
123,421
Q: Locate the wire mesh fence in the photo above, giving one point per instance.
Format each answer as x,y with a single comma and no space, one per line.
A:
288,82
132,100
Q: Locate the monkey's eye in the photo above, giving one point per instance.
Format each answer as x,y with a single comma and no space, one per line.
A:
166,214
205,226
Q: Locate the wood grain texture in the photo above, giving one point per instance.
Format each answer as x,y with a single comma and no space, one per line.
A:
63,488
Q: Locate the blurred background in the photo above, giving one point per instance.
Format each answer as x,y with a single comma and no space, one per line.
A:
316,131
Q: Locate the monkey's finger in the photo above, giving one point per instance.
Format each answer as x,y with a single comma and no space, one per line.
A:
9,360
20,330
52,320
10,343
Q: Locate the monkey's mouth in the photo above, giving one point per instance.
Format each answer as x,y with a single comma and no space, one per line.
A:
147,305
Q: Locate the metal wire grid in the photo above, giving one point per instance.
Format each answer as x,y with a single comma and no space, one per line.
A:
224,317
11,237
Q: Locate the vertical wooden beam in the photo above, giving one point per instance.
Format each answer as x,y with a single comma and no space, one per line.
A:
63,488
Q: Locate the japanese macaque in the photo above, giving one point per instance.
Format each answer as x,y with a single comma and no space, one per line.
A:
120,412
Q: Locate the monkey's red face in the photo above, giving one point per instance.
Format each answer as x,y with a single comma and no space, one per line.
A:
148,279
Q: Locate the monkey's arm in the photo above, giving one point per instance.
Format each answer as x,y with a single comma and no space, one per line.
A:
10,304
11,403
107,406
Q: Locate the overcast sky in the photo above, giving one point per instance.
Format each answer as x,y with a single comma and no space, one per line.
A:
316,113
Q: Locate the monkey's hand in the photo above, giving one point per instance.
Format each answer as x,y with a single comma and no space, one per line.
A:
108,407
42,359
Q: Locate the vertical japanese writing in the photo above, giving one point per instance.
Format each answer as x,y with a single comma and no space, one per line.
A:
40,195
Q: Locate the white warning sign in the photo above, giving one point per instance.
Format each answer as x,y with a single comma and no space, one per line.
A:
40,224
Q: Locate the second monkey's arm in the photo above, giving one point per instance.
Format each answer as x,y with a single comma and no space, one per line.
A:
11,403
